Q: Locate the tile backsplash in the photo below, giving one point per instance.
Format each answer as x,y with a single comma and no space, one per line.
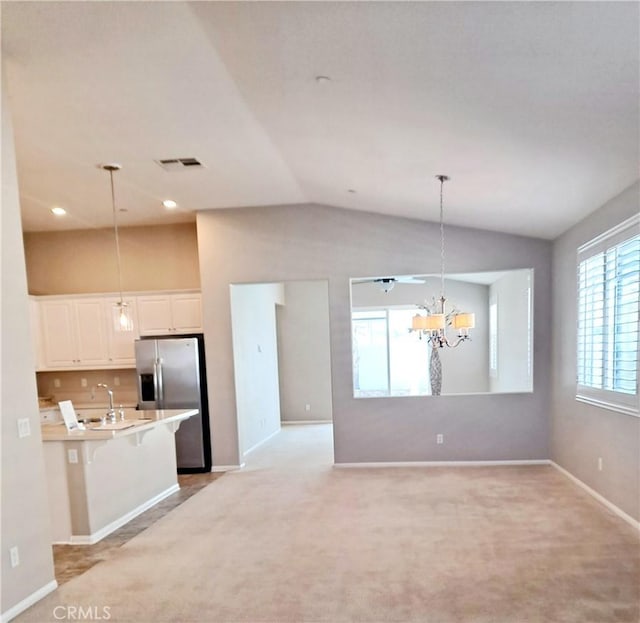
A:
80,386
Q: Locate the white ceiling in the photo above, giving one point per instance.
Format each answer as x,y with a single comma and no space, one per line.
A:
530,107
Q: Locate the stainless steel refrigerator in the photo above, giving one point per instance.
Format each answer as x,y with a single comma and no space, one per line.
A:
171,375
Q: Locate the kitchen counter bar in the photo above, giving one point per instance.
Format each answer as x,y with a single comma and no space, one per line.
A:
138,421
99,479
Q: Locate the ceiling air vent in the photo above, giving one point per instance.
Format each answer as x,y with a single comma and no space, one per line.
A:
179,164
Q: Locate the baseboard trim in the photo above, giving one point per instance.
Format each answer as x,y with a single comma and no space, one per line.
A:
94,537
445,463
260,443
226,468
610,505
293,422
27,602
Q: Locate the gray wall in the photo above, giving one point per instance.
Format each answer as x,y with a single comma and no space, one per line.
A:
25,512
303,351
580,432
284,243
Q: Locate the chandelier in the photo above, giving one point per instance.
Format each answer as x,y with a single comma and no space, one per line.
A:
122,319
436,319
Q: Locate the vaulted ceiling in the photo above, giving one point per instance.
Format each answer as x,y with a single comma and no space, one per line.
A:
530,107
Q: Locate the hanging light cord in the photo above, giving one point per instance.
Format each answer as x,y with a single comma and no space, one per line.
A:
115,229
443,179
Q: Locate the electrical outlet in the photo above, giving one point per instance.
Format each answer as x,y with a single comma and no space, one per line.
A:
83,382
15,556
307,407
24,428
73,456
56,383
439,438
116,381
599,463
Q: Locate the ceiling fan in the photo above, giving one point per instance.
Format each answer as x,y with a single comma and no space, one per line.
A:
387,283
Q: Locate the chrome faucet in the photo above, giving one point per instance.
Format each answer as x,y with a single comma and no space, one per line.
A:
111,413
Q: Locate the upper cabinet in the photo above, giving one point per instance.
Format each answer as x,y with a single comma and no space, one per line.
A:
162,314
73,333
79,332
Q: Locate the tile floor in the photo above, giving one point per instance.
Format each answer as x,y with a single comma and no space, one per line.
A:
73,560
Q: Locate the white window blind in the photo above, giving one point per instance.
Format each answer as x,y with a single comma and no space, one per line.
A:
608,318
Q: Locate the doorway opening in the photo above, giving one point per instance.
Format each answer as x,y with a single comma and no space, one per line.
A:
282,359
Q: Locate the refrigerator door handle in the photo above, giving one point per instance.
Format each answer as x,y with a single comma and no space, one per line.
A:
157,381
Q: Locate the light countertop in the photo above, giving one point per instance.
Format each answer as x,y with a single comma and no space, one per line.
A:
135,422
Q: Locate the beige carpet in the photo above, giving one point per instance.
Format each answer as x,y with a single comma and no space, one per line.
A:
291,539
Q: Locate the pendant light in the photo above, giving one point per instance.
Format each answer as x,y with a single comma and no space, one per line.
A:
434,323
121,311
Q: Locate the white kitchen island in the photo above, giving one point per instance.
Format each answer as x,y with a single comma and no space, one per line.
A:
99,479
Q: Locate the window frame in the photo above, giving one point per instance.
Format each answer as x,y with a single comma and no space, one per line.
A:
622,402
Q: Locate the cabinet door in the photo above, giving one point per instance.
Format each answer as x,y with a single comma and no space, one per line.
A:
154,314
91,332
121,344
185,313
58,334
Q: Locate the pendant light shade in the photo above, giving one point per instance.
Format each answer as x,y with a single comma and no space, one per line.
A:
122,317
464,321
435,322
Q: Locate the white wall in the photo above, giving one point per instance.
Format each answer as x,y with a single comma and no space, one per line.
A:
308,242
24,513
511,292
255,359
581,433
303,352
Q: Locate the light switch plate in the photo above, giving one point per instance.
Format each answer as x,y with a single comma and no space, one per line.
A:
15,556
24,428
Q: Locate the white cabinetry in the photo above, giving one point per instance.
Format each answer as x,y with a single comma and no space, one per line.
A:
161,314
73,333
79,332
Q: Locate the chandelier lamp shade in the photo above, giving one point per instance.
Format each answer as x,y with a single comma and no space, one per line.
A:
433,324
121,311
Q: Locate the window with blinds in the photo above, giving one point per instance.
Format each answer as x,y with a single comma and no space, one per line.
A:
609,318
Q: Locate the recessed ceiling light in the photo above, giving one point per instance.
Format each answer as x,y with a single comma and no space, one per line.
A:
58,211
169,204
323,79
